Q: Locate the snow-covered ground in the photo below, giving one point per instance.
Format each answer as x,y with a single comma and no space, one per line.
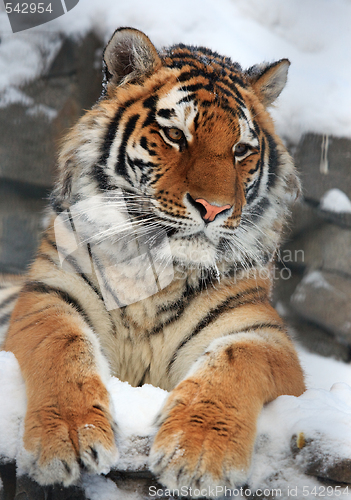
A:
314,34
321,415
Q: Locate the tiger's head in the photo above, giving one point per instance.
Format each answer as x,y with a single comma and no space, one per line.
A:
185,133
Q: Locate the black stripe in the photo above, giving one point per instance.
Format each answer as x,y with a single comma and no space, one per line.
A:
166,113
143,143
151,101
111,132
182,55
254,169
232,87
256,127
188,75
67,181
128,130
46,257
196,121
261,326
103,180
72,261
230,303
197,86
256,185
273,161
193,97
258,209
178,307
5,319
257,326
102,270
32,313
48,240
9,299
40,287
142,380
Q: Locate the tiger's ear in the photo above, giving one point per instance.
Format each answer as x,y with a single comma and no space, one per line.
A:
129,57
268,80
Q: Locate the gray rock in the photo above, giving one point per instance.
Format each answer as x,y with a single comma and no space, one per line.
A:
284,285
21,213
325,247
324,298
324,165
304,216
316,463
129,485
29,140
342,219
318,340
30,132
311,336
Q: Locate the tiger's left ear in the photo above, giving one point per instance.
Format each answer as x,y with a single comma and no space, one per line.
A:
268,80
129,57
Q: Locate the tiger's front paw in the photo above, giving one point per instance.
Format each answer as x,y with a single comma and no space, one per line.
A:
57,445
202,442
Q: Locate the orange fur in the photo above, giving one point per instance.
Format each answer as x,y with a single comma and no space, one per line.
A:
68,405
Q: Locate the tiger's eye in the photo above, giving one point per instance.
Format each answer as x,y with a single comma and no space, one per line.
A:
241,149
174,134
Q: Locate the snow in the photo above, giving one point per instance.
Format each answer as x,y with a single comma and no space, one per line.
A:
314,279
321,372
314,35
324,417
322,414
335,200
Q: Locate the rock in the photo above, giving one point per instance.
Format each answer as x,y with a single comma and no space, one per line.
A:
324,163
285,282
21,213
318,464
325,247
342,219
324,298
128,485
305,332
318,340
304,216
30,132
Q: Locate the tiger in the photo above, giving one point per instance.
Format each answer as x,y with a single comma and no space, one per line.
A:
157,267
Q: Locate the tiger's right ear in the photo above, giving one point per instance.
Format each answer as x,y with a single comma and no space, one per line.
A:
129,57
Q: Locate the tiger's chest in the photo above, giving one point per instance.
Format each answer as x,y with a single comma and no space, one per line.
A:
146,333
158,339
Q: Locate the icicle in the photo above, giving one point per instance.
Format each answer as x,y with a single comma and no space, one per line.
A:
324,166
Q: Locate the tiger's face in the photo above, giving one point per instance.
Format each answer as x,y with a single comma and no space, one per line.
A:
187,136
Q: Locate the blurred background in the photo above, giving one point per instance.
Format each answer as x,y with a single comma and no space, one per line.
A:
50,74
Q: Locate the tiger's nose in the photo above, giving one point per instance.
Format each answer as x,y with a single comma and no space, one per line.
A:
210,211
207,211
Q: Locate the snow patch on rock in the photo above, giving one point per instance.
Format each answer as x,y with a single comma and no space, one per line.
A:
335,200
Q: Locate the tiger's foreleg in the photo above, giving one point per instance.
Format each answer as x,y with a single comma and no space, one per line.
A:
207,427
68,424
